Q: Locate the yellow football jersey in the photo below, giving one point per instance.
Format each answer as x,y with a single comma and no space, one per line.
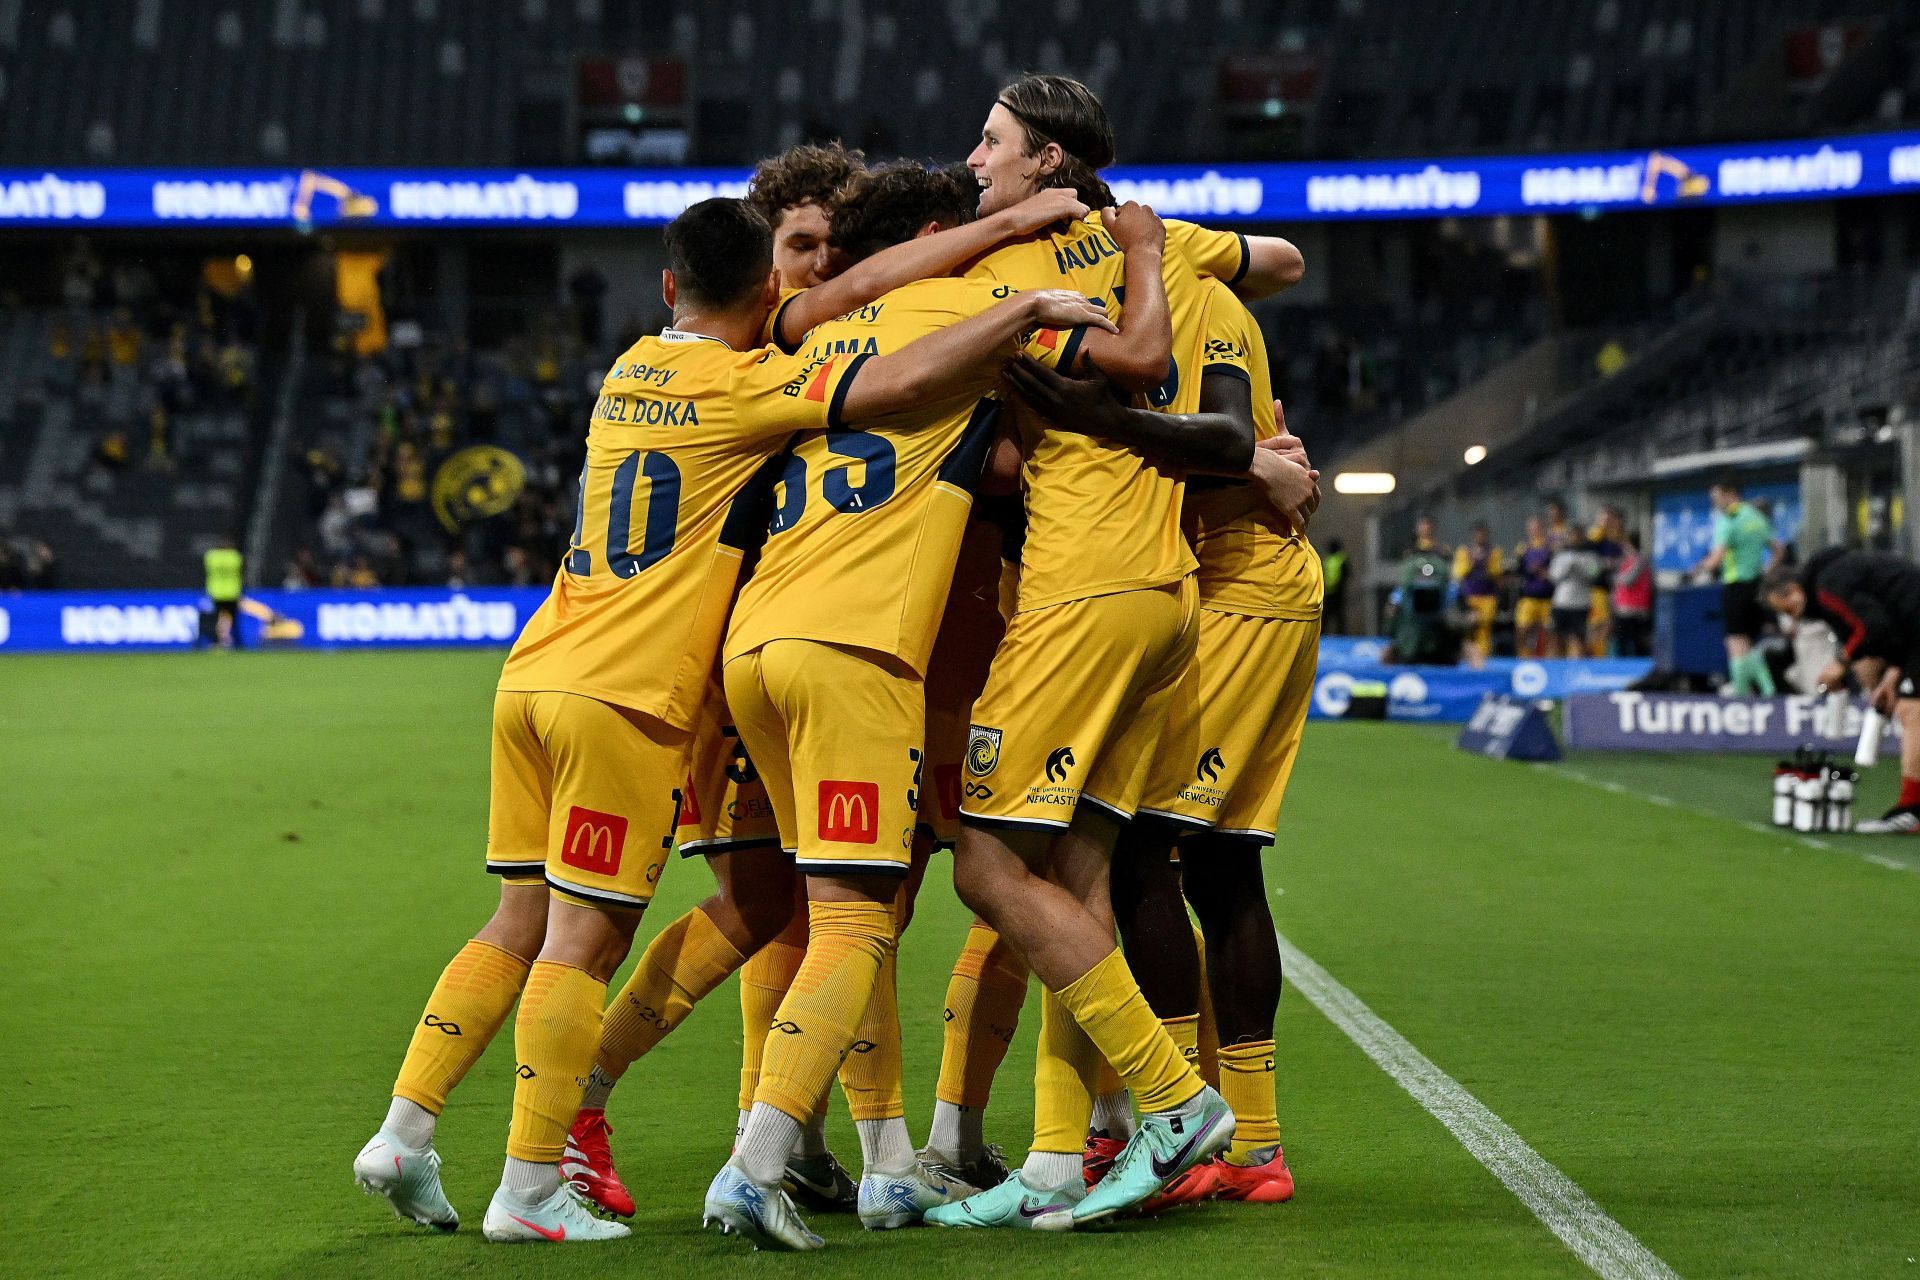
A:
682,425
1221,255
1249,562
1100,517
867,524
770,331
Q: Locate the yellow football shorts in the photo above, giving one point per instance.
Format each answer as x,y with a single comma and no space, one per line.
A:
1483,609
724,805
584,797
837,734
1078,696
1234,729
1529,612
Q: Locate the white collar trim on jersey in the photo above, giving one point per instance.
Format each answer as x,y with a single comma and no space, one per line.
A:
681,335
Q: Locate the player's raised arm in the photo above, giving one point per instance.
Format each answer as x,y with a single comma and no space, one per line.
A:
1136,356
919,259
965,355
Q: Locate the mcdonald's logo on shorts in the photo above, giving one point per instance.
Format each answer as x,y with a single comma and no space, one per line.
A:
593,841
850,811
689,815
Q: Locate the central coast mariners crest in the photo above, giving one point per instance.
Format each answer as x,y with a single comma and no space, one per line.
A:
478,481
983,750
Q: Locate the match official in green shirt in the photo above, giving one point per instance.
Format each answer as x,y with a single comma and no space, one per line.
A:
224,588
1743,542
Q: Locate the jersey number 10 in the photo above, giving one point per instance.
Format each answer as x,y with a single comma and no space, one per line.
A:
662,522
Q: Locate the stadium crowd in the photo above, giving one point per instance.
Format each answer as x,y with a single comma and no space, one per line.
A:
1565,590
371,514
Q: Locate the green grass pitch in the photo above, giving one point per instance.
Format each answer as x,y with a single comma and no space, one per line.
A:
232,879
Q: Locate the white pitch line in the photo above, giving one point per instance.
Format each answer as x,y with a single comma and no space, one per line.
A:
1759,828
1608,1249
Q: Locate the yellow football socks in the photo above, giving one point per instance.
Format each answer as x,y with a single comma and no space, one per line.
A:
815,1024
555,1037
764,980
1246,1082
984,995
870,1076
1186,1036
468,1006
1066,1065
1106,1002
688,959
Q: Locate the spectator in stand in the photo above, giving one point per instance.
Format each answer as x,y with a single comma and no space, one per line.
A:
1742,543
1533,610
1604,540
1476,575
302,572
1633,602
1574,569
361,574
42,568
113,452
1416,622
1559,532
1333,572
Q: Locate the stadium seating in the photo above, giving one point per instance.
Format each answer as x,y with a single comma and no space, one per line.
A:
85,468
332,82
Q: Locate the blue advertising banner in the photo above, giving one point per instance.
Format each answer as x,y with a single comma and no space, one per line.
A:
1683,522
78,620
1746,173
1450,695
1631,721
65,621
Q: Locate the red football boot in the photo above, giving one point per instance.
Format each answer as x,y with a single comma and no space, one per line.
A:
1202,1182
589,1163
1269,1183
1098,1157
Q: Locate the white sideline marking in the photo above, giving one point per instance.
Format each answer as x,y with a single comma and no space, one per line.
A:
1758,828
1609,1249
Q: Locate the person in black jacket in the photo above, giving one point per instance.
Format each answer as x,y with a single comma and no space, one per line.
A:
1872,602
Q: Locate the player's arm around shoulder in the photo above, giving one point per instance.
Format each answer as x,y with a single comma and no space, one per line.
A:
964,355
922,258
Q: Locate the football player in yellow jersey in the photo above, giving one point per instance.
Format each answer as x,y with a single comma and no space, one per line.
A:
988,982
1221,768
596,702
826,657
1103,626
725,815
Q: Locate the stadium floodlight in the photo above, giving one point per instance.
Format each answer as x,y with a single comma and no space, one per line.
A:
1476,454
1370,483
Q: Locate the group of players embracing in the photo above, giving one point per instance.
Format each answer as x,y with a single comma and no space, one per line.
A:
952,511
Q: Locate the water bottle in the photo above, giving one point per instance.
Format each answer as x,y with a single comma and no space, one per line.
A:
1809,791
1840,800
1872,725
1783,780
